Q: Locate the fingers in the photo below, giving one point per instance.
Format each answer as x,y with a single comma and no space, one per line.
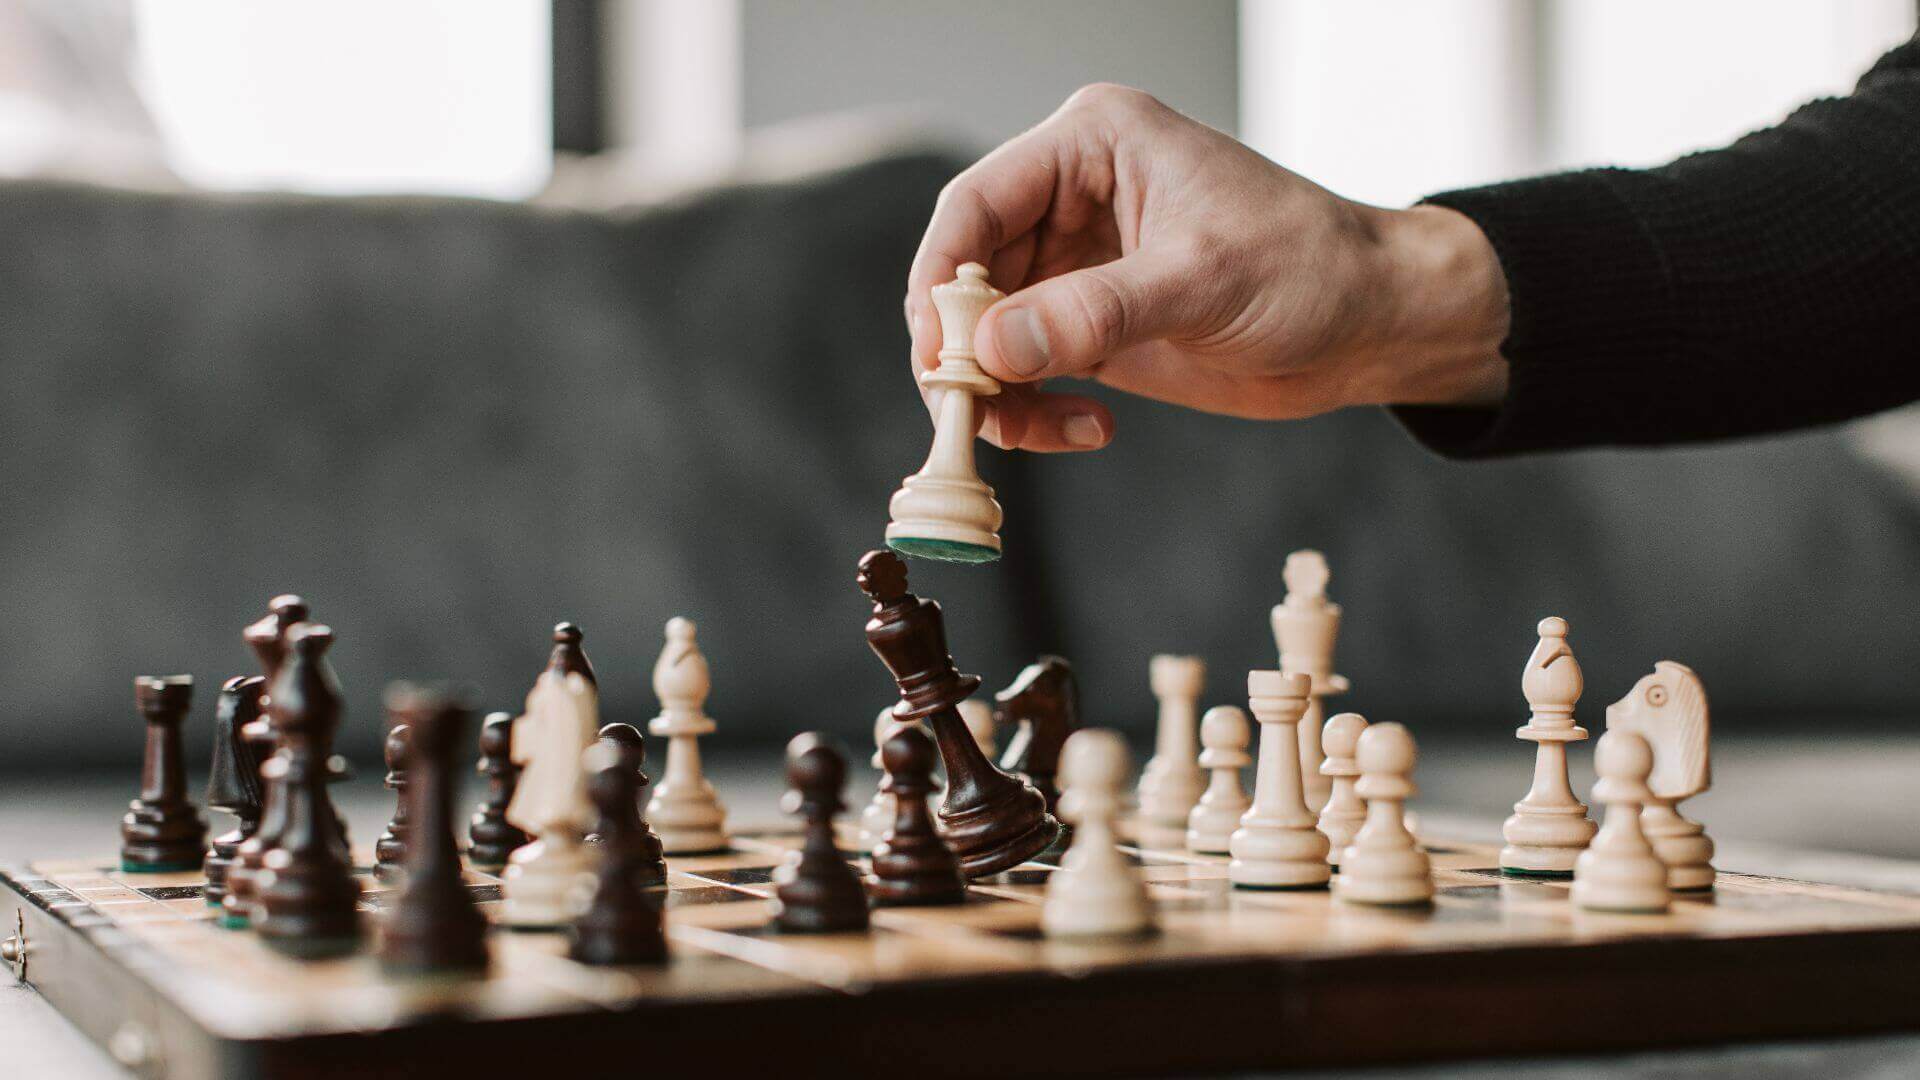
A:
990,206
1024,418
1069,325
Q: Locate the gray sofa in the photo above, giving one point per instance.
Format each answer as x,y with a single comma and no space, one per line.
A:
450,424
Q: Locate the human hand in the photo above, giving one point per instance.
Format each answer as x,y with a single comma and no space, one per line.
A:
1151,253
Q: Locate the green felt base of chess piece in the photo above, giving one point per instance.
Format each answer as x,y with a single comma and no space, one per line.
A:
234,922
1537,875
158,868
951,551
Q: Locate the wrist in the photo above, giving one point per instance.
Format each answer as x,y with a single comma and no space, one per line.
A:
1442,312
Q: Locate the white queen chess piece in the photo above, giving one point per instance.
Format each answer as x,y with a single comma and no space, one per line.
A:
1305,627
945,511
685,810
541,886
1549,827
1619,871
1096,892
1669,709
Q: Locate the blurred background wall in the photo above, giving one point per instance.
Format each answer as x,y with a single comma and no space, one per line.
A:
626,345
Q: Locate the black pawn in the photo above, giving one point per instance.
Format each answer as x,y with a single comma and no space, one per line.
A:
492,837
626,740
390,851
622,923
819,892
161,831
911,864
306,889
233,784
433,925
568,658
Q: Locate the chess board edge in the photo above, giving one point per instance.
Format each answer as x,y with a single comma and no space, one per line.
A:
1158,1015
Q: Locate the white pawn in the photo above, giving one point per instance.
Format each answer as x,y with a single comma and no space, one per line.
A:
1172,780
1549,827
1225,733
684,810
1619,871
877,818
978,716
1384,865
1096,892
1277,845
541,885
1344,813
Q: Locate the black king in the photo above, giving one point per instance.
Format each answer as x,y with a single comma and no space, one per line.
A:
993,821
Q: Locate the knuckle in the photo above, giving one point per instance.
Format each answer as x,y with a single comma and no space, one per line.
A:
1103,306
1113,98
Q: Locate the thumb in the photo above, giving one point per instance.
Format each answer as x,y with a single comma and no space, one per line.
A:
1069,324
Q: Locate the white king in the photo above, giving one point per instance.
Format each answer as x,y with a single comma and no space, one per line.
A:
945,511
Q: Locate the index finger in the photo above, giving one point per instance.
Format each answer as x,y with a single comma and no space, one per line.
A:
996,201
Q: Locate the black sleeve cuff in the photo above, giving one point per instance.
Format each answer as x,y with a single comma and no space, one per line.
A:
1592,309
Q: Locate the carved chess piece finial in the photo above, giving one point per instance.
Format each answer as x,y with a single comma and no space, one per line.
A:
993,821
161,830
568,658
945,511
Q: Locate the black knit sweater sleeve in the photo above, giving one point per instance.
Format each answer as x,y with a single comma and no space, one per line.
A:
1773,284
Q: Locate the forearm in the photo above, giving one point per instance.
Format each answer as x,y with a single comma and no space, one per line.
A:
1771,285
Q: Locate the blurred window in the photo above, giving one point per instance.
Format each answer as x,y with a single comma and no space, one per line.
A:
351,96
1389,100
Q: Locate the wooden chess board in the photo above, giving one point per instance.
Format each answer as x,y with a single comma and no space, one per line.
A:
1234,978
